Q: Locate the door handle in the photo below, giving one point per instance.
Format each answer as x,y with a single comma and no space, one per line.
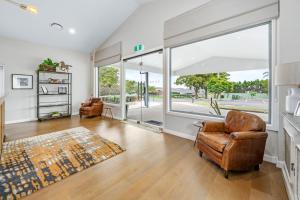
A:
293,168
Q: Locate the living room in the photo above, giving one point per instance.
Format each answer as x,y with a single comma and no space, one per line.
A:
149,99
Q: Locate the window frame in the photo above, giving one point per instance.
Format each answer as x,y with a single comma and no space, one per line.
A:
98,85
271,27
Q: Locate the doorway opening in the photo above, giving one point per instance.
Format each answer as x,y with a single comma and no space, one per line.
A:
144,89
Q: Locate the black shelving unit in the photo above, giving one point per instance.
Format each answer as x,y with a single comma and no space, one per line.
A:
48,102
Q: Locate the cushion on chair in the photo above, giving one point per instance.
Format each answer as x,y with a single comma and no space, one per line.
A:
216,141
87,104
240,121
86,108
95,100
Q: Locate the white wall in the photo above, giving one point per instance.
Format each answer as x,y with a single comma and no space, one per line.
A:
289,31
288,51
21,57
146,24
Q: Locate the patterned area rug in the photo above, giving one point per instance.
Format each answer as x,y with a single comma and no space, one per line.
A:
29,164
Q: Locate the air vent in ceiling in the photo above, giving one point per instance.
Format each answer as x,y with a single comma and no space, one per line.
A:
56,26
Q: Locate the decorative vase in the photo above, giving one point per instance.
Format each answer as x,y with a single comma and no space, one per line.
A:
292,100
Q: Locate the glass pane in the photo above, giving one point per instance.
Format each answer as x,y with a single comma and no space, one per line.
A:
144,84
133,88
228,72
152,69
109,83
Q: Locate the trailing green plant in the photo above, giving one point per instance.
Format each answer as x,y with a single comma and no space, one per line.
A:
48,61
48,65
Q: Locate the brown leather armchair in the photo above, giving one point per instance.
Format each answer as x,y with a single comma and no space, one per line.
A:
236,144
93,108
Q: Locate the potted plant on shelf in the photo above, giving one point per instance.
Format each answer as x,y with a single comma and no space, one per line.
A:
48,65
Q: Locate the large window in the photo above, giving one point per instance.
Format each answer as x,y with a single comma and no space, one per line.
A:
227,72
109,83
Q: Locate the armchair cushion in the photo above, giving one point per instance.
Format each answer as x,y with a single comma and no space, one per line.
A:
96,104
86,108
95,100
240,121
215,140
85,104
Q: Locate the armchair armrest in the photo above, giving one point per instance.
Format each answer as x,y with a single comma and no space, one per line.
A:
248,135
244,149
210,126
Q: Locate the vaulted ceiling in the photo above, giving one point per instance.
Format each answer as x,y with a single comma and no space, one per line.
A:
93,20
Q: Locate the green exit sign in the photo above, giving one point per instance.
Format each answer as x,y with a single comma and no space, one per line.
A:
139,47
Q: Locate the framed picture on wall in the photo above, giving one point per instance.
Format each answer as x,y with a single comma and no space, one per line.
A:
22,81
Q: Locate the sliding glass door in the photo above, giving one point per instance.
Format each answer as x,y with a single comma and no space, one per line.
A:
144,83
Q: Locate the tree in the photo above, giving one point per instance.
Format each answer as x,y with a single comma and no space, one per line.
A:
131,87
152,90
109,76
258,86
191,81
218,85
199,81
237,87
265,86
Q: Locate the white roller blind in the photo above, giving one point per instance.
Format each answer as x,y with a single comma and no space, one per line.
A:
218,17
109,55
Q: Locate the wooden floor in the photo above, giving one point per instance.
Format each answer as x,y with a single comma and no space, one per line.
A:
154,166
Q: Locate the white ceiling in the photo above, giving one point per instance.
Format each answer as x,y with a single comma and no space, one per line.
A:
93,20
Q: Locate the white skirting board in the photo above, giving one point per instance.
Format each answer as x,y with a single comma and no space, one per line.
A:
20,121
29,120
271,159
182,135
35,119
